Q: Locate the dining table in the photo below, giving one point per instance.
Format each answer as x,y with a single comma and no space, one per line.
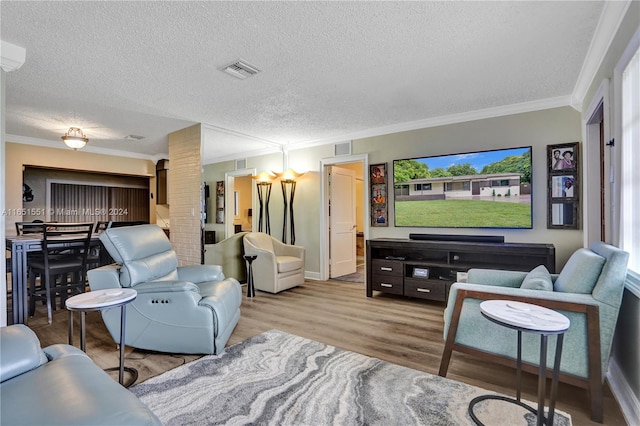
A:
20,246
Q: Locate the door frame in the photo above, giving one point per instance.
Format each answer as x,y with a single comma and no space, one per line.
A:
592,159
229,198
324,204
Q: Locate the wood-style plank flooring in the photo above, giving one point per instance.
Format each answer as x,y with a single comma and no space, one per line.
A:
403,331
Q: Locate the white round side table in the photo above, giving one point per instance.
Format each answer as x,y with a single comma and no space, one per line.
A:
96,301
532,319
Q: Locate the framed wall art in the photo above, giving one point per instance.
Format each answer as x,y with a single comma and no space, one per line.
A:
379,194
563,191
220,202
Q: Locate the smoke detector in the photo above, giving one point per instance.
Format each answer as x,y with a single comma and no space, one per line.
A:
240,69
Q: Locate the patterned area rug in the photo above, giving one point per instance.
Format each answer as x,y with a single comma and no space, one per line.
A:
277,378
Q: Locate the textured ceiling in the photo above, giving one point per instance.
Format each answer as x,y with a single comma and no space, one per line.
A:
330,70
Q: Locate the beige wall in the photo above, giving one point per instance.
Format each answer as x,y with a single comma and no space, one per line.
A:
538,129
19,155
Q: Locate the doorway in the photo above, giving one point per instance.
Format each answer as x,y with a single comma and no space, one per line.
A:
597,221
240,196
358,164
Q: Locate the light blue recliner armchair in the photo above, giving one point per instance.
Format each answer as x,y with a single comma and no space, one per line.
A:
588,291
188,309
60,385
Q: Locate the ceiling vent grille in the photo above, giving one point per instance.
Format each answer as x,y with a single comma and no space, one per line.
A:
343,148
134,137
240,69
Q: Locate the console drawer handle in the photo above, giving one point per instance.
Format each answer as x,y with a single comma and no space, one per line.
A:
423,290
386,268
386,285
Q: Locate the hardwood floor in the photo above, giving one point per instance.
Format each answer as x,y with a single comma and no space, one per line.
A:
403,331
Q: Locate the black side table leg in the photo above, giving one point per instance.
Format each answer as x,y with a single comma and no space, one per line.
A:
251,291
123,315
554,380
542,377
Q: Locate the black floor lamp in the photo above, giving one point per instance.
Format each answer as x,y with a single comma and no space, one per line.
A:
288,180
263,183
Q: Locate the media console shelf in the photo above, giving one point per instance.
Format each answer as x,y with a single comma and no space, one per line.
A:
426,269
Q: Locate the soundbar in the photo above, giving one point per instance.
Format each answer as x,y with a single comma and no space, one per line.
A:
461,238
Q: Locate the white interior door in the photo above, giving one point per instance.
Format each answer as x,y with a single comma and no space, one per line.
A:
342,222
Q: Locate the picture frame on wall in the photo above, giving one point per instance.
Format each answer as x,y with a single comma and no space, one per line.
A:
378,174
220,202
563,191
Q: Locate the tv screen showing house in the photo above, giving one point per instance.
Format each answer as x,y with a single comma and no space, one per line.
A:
484,189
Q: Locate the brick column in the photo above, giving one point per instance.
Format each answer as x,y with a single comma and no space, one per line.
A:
185,179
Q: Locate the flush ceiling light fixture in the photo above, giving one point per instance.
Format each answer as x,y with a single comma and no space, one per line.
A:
75,139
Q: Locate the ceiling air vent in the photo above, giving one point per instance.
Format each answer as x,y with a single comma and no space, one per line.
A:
240,69
134,137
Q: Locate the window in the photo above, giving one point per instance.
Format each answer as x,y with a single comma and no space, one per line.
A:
458,186
423,187
630,172
501,182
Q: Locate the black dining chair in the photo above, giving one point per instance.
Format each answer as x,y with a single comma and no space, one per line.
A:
24,228
63,266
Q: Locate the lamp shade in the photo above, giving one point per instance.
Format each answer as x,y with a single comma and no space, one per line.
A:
264,177
75,139
289,175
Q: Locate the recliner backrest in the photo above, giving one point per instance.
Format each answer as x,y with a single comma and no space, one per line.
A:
144,251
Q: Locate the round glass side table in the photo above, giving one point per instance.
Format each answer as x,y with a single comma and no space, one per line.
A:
97,301
532,319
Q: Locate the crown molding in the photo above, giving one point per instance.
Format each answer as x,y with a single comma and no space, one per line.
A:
239,134
11,56
91,149
561,101
610,20
524,107
242,155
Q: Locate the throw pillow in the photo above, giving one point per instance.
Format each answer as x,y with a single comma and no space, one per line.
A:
581,272
538,279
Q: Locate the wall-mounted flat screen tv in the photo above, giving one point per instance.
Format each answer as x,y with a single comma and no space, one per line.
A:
484,189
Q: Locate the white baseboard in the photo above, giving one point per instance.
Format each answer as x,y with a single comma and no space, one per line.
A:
629,403
312,275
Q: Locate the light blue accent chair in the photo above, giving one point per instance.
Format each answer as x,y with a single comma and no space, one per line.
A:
189,309
588,291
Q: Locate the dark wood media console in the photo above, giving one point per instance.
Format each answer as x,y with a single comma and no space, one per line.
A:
426,269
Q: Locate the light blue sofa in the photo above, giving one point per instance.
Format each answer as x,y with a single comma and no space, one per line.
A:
60,385
189,309
588,291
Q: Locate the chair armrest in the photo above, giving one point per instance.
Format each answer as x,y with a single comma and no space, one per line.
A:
282,249
582,310
104,277
548,299
263,255
166,287
61,350
495,277
200,273
19,351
